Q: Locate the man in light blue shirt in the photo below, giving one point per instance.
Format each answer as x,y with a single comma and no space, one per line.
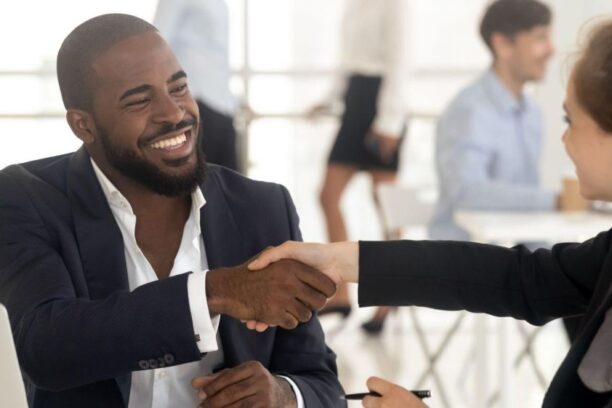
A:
489,139
198,33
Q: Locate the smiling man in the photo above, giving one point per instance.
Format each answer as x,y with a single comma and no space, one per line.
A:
116,260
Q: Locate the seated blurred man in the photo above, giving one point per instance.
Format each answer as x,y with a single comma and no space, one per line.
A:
489,139
96,247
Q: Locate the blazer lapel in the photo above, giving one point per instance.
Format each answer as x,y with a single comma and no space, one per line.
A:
567,376
601,300
100,241
225,246
223,240
98,235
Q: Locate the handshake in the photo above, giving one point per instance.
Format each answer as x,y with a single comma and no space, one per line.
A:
282,286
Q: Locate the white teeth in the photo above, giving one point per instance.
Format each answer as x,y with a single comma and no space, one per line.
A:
170,143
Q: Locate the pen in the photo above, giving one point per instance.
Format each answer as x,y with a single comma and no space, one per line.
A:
419,393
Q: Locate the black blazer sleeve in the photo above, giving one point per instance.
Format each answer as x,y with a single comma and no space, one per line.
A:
535,286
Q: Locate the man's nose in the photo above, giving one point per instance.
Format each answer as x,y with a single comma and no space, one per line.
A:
168,110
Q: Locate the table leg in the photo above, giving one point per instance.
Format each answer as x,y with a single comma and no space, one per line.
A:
506,375
482,382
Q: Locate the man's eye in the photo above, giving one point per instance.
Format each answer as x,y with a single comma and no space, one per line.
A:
180,88
138,102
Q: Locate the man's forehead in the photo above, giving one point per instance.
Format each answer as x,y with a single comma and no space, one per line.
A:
140,57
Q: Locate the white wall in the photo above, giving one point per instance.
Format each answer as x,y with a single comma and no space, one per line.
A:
570,17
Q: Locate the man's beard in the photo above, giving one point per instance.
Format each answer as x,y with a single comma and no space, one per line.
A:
148,175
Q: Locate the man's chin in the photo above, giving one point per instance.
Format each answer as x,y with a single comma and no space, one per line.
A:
538,74
169,180
177,184
179,162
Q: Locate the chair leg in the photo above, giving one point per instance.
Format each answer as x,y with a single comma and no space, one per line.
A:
433,357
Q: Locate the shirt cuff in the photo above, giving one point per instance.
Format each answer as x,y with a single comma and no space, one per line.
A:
296,390
204,327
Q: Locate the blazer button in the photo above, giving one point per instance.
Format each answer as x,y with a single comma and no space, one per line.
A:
161,362
152,363
144,364
169,358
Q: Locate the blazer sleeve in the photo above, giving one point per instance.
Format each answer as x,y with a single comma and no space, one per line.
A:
63,338
301,354
534,286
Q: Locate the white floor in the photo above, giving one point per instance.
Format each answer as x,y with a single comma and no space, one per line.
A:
398,356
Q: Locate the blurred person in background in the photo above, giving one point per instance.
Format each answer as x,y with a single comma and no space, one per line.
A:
197,31
489,139
373,73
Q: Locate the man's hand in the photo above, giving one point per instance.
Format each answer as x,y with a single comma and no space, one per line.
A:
247,385
393,396
281,294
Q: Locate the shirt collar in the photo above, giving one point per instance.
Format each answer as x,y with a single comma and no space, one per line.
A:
501,96
118,200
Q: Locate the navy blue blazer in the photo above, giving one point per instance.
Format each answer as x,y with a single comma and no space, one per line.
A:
78,330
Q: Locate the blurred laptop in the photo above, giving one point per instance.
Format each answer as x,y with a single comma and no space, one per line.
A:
12,391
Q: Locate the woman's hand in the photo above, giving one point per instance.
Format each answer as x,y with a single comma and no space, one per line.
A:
339,261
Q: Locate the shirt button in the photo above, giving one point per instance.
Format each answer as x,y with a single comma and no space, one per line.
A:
161,375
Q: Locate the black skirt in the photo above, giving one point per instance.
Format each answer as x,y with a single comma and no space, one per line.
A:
350,147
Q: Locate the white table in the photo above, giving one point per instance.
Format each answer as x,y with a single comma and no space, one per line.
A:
510,228
514,227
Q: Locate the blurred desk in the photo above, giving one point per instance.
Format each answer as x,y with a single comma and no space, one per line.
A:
511,228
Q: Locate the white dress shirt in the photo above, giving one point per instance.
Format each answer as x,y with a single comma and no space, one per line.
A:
198,33
375,43
171,386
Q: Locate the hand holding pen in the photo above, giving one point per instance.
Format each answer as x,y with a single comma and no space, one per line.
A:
386,394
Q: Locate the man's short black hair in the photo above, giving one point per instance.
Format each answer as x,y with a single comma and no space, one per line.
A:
510,17
83,45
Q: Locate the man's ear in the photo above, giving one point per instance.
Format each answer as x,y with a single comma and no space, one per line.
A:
82,125
502,45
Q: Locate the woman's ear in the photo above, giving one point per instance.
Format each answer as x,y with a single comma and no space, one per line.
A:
82,125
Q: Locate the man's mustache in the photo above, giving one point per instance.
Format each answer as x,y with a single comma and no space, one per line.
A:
168,128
